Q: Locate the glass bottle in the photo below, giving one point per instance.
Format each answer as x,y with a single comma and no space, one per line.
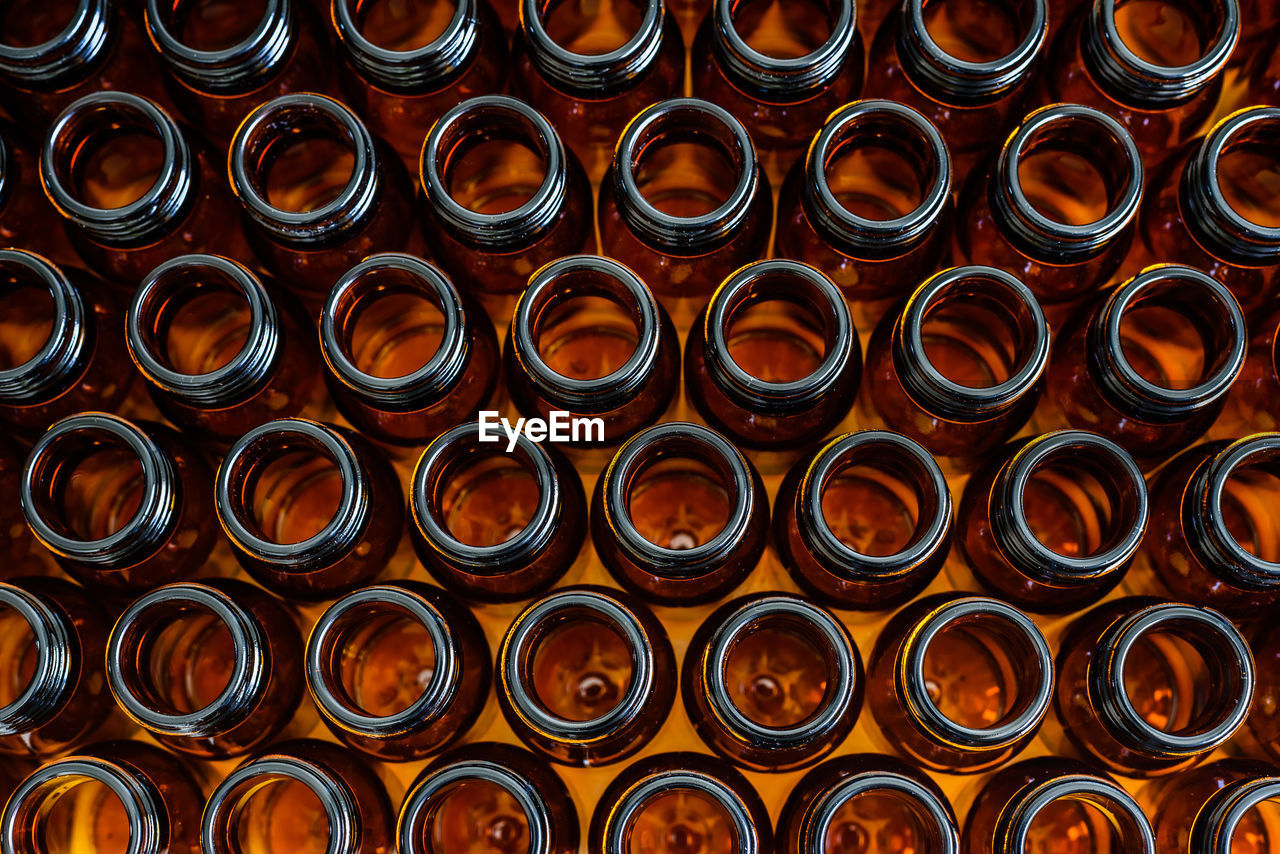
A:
1058,205
502,195
408,354
870,203
492,524
1148,687
772,682
303,795
1149,363
123,507
586,675
1051,524
404,67
685,203
870,800
319,192
112,796
680,796
960,683
1033,806
773,362
27,218
312,511
487,796
1264,718
1224,807
221,352
958,367
680,516
62,349
398,670
209,668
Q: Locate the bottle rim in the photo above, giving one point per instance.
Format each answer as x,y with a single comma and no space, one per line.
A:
595,74
66,351
1014,826
423,69
783,79
238,68
1205,500
620,818
56,649
69,54
945,836
1217,823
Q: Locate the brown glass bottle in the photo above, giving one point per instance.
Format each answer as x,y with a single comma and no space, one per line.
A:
62,351
488,797
503,195
772,682
1223,807
304,795
27,218
870,203
960,683
1051,524
312,511
221,351
773,362
1264,718
958,367
493,525
1148,687
1058,205
134,188
673,797
408,354
209,669
398,671
1037,805
405,65
865,522
586,675
680,516
866,800
685,203
123,507
319,192
112,796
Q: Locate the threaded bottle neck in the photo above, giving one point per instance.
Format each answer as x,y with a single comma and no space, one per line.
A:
427,68
240,67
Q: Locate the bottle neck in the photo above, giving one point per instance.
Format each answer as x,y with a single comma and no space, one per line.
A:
1223,819
929,813
53,672
69,57
236,69
1014,828
783,79
705,798
62,358
428,68
594,75
1204,509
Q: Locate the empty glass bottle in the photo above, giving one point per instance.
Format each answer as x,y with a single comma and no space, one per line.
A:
27,218
1224,807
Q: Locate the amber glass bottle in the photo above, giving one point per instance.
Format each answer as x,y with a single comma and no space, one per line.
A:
665,801
319,192
62,350
868,800
408,354
1051,524
685,202
680,516
1264,719
312,511
224,59
774,360
398,670
1058,205
488,797
870,203
589,339
1231,806
957,368
1148,687
586,675
1038,805
772,682
1212,538
865,522
406,64
503,195
493,525
27,218
303,795
209,669
112,796
960,683
221,352
134,188
122,506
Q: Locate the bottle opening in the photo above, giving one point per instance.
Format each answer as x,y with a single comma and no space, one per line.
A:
19,655
1065,185
1247,507
378,659
590,28
494,160
304,171
883,821
398,26
1258,830
28,314
776,340
1168,33
979,671
581,665
294,489
108,156
977,31
31,23
180,659
681,820
212,25
1177,679
474,815
1079,503
195,320
1090,822
586,337
487,498
777,670
276,814
94,485
1249,174
681,501
82,814
784,29
874,175
975,336
1178,334
879,500
687,175
390,324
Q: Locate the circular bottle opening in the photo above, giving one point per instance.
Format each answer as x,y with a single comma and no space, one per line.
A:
880,167
1170,34
492,159
176,657
580,665
586,28
89,484
777,671
389,322
1064,175
81,813
1248,172
377,658
33,23
1088,820
687,174
776,340
211,25
586,337
193,319
28,315
276,813
107,155
883,818
401,27
1246,505
487,499
682,499
19,656
977,31
789,29
680,819
474,814
1258,830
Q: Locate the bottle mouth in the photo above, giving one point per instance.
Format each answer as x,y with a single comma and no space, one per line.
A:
1231,811
590,73
970,343
695,143
226,69
875,468
122,208
39,637
63,59
1118,815
41,295
1227,520
409,69
586,293
683,796
379,322
845,808
786,78
206,629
